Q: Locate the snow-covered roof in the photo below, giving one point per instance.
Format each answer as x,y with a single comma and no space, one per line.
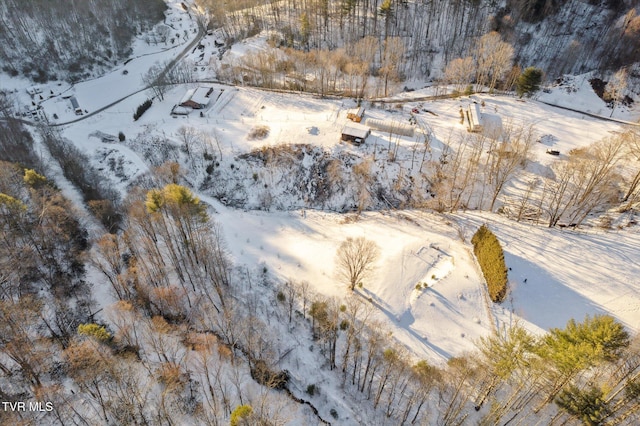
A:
33,90
187,96
356,130
391,126
178,110
201,95
358,112
74,103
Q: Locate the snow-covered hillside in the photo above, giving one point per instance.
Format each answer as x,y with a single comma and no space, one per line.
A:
222,282
294,242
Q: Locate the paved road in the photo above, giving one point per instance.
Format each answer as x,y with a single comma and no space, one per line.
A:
201,33
600,117
168,67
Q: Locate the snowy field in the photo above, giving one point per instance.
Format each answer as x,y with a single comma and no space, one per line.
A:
554,275
436,322
568,273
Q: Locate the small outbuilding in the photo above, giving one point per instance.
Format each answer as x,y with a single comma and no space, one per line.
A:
75,105
390,126
197,98
355,133
355,114
179,110
34,90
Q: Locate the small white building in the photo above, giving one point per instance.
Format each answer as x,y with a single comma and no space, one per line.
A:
75,105
355,114
390,126
34,90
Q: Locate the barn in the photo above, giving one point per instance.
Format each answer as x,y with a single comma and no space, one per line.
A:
355,133
197,98
75,105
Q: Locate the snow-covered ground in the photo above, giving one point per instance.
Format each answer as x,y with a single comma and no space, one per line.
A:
436,322
574,92
555,275
568,274
54,97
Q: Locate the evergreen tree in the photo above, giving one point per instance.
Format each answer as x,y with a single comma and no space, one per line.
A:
581,345
241,415
589,405
490,256
529,81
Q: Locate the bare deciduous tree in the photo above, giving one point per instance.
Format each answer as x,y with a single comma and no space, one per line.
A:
493,57
509,155
459,72
391,61
615,89
633,146
355,259
156,79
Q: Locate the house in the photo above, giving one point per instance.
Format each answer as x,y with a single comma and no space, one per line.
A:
34,90
355,114
197,98
474,122
355,133
75,105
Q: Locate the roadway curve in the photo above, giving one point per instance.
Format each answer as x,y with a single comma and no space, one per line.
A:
168,67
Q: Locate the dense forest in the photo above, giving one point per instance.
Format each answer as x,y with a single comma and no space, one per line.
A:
67,39
78,39
558,36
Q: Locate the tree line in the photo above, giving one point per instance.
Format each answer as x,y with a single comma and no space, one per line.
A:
433,33
473,171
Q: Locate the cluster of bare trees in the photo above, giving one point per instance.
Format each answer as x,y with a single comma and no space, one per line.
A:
591,180
427,28
43,295
344,71
490,61
361,352
473,171
99,195
16,143
160,76
336,180
579,372
440,32
183,345
178,254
